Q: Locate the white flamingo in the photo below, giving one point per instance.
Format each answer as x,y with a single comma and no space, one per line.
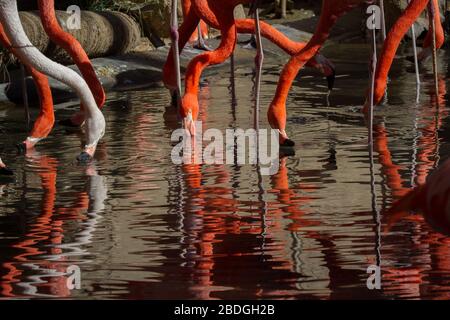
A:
32,57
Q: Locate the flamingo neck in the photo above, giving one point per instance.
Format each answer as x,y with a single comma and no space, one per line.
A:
395,35
73,48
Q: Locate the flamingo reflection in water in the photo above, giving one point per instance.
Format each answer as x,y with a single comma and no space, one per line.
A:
411,280
221,229
38,263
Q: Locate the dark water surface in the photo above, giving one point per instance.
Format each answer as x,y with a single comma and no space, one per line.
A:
139,226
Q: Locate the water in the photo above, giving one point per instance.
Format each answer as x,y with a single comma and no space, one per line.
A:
139,226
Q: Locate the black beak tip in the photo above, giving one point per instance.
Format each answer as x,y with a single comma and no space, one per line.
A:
287,152
21,148
84,157
330,80
6,172
288,143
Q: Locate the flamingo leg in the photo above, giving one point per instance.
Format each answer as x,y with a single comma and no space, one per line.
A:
189,106
416,58
390,47
175,48
383,20
372,87
23,74
188,26
432,16
259,63
435,31
198,35
76,51
32,57
201,43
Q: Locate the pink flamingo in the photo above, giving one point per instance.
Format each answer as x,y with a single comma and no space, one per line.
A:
33,58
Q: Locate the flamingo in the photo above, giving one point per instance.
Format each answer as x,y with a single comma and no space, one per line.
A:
76,51
40,247
45,121
220,15
431,196
331,11
33,58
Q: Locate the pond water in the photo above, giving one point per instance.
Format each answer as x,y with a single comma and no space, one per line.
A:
137,226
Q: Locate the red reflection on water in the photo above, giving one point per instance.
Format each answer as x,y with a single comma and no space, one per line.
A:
40,266
432,258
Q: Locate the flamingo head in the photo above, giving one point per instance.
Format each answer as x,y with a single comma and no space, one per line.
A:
284,140
27,145
189,112
95,129
327,68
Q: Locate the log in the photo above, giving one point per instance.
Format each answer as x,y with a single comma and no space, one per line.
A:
101,33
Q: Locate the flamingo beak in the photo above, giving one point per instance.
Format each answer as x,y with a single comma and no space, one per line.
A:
330,80
284,140
189,124
328,69
28,144
87,154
